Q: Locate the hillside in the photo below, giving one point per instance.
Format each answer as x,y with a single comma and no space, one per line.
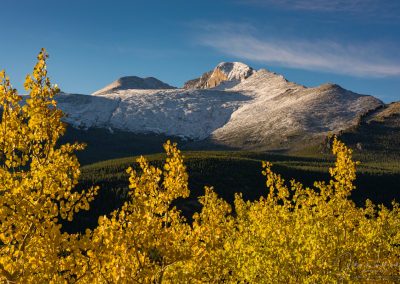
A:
377,132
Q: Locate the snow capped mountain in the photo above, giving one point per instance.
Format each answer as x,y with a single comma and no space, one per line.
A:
232,105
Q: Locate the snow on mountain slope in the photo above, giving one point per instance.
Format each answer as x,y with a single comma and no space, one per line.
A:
246,109
285,115
234,70
86,111
192,114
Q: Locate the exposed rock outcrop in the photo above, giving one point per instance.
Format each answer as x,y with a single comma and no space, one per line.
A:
225,71
198,83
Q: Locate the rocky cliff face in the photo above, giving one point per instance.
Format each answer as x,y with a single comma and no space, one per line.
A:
225,71
198,83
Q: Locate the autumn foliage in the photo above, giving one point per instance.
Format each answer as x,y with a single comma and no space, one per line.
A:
293,234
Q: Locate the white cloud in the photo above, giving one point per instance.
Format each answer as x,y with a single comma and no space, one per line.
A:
362,59
353,6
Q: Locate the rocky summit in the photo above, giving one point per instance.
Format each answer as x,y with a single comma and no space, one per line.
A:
225,71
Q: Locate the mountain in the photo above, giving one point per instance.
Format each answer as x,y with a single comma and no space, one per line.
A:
133,82
231,106
225,71
377,131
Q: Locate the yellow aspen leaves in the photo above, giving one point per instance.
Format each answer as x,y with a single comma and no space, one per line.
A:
37,180
293,234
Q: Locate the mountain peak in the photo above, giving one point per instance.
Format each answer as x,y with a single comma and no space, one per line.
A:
234,70
133,82
224,71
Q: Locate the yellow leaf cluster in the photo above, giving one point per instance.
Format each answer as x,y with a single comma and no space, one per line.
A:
293,234
37,182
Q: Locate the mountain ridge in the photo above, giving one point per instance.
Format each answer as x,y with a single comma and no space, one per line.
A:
134,82
233,105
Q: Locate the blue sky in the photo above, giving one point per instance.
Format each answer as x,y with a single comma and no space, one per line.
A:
93,42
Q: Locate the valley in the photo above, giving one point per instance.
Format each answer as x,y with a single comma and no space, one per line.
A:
231,172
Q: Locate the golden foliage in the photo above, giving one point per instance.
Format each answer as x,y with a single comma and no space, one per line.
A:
37,180
293,234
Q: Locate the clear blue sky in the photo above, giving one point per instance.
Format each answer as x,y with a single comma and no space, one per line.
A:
93,42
